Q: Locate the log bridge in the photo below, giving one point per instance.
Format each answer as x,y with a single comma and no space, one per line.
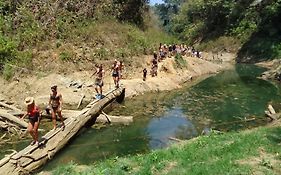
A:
33,157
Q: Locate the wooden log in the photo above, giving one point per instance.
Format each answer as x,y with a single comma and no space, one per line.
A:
114,119
270,115
10,107
102,118
175,139
32,157
13,119
108,120
65,114
271,109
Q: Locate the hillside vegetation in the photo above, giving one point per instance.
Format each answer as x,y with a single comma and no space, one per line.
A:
251,27
70,35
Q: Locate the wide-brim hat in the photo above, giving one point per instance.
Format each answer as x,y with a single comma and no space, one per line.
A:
29,100
54,87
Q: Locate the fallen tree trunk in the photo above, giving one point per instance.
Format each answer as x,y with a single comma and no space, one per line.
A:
10,107
65,114
13,119
102,118
32,157
114,119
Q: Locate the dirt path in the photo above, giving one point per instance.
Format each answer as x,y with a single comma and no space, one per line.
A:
73,86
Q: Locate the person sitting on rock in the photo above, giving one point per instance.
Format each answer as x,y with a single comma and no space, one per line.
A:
33,114
55,103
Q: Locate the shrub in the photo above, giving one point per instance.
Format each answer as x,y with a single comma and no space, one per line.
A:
7,49
180,62
65,56
8,71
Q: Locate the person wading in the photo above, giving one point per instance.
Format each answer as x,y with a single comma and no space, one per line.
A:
99,81
33,114
55,103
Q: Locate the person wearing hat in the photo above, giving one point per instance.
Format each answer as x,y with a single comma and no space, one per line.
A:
33,114
55,103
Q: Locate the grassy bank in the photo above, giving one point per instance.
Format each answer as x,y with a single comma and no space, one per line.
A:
247,152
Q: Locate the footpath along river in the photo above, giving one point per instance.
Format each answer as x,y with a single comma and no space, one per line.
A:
220,102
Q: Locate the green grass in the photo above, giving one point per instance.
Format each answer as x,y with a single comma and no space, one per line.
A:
248,152
180,62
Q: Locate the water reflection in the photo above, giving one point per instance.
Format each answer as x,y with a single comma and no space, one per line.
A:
172,124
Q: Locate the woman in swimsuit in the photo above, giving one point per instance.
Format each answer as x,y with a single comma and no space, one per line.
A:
55,103
33,114
99,81
115,73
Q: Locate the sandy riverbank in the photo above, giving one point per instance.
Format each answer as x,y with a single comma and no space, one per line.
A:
74,85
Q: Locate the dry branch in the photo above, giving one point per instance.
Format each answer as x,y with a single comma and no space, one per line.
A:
80,101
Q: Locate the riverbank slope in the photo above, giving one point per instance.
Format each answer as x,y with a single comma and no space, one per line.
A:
73,86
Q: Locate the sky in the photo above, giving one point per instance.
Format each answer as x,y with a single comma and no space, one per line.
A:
152,2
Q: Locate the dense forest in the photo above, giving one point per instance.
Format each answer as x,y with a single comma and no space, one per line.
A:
250,27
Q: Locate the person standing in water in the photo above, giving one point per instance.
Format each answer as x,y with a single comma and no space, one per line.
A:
55,103
33,114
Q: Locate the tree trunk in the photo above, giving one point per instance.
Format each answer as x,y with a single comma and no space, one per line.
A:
32,157
114,119
13,119
10,107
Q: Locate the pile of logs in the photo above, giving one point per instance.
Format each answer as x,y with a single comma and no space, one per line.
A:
10,120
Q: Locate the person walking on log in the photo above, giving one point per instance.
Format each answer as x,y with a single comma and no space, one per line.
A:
33,114
116,73
99,81
55,103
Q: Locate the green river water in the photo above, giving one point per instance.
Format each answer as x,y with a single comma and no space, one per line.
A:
221,102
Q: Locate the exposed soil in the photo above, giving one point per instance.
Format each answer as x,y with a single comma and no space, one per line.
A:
73,85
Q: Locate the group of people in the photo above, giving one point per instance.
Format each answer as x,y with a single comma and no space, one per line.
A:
55,101
116,68
33,113
171,50
165,51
